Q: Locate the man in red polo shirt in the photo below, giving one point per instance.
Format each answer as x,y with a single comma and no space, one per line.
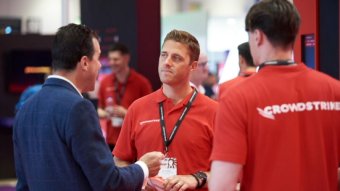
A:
281,126
247,68
118,90
175,119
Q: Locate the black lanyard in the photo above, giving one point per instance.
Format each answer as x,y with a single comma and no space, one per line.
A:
167,142
276,63
119,92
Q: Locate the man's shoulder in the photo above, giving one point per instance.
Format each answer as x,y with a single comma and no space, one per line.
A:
323,76
231,82
53,98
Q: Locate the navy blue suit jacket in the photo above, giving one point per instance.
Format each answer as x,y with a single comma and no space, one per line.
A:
58,145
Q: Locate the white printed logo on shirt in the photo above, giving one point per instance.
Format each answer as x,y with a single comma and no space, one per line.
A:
269,111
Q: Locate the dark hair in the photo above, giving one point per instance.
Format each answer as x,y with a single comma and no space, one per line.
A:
278,19
71,43
119,47
244,51
186,39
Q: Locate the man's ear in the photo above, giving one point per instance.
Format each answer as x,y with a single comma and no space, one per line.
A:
242,61
194,65
259,37
84,63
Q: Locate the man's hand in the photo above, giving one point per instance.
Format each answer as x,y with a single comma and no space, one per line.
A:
153,161
101,113
119,111
180,182
155,183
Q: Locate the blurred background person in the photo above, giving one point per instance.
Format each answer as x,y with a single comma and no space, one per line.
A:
33,89
211,86
246,64
118,90
200,74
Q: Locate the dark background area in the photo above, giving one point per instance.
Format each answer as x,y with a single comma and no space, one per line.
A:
135,23
329,18
8,45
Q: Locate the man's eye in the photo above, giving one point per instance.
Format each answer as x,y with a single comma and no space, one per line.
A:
163,55
177,58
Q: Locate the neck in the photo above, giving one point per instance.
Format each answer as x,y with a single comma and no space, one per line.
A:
287,56
196,83
271,53
123,75
177,93
72,77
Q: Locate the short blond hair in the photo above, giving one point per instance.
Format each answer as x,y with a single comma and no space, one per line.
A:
187,39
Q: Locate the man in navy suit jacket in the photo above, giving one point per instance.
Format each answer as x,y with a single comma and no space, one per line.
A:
58,143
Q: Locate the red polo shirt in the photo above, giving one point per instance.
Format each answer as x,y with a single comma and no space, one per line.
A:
141,131
135,87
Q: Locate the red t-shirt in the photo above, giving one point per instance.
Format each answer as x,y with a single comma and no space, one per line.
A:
226,85
135,87
283,125
192,144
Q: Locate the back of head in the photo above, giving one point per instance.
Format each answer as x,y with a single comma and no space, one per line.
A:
71,43
244,51
278,19
187,39
119,47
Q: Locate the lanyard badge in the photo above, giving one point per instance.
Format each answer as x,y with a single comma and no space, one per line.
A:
168,167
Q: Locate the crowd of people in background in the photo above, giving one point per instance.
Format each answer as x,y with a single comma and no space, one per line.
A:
274,127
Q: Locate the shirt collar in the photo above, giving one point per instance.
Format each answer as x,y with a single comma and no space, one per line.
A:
161,97
67,80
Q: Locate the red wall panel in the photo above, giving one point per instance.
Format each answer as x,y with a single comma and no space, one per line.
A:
309,25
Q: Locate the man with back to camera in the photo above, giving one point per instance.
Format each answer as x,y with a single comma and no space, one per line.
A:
123,86
175,119
58,144
246,64
281,126
198,75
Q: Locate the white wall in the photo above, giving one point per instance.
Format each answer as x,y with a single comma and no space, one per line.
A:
219,8
224,28
169,7
46,13
197,25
